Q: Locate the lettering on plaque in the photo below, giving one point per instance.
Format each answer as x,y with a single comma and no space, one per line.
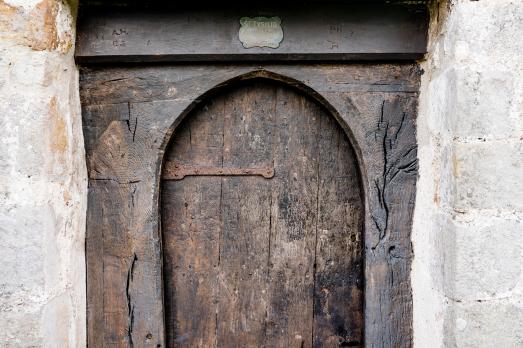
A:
260,32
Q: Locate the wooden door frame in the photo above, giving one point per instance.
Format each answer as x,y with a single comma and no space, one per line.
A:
130,113
124,243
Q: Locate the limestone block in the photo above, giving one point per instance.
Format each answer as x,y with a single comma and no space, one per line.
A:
482,104
486,325
13,336
471,101
436,91
489,175
486,259
486,33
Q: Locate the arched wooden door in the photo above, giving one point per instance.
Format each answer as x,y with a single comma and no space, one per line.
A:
269,260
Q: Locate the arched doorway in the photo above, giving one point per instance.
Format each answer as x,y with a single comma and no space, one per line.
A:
130,115
263,236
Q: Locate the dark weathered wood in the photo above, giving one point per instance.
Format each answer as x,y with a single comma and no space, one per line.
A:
122,243
338,284
110,265
191,233
375,105
95,270
315,32
293,228
178,85
244,243
393,194
264,290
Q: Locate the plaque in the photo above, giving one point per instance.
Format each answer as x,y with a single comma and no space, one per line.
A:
260,32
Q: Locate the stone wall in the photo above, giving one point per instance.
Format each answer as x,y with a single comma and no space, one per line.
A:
42,178
468,237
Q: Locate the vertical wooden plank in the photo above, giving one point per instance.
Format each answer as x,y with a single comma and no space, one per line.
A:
398,186
191,228
244,243
338,280
391,196
294,205
94,250
109,249
117,309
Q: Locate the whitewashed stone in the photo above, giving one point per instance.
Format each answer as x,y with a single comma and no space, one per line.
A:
42,178
486,324
467,225
489,175
481,104
469,203
486,261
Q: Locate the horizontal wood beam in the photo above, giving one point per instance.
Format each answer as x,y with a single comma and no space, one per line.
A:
312,33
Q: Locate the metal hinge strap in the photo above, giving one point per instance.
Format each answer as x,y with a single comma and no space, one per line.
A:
178,171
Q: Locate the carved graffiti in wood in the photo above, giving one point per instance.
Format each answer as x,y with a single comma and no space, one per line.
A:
399,156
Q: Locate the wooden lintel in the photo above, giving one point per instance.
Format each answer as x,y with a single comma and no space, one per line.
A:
310,33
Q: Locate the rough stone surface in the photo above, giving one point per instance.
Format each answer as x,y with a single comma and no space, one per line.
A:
42,178
488,174
488,258
493,323
468,232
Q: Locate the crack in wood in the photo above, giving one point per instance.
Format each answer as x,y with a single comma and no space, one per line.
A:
130,306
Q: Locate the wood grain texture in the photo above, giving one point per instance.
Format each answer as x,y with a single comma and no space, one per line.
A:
130,114
244,242
313,32
191,234
338,280
293,230
260,288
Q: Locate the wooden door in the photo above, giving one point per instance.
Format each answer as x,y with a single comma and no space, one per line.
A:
275,259
228,261
262,261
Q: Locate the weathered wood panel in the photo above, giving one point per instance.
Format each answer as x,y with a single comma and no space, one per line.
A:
374,104
191,233
338,286
258,289
293,228
313,32
244,242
